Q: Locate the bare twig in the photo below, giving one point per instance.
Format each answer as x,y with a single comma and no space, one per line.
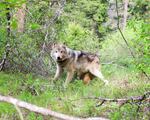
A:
123,66
7,46
29,13
54,18
122,101
57,13
108,63
8,16
19,112
42,110
118,25
5,57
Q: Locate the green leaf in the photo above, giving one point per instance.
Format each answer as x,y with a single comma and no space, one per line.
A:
34,26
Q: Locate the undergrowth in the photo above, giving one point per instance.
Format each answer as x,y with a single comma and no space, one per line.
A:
118,67
42,92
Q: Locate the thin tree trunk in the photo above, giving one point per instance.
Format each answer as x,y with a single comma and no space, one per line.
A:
8,17
126,2
21,18
7,46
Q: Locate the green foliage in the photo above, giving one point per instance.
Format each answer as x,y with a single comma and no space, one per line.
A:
2,40
80,26
77,37
115,49
75,27
141,44
7,7
140,9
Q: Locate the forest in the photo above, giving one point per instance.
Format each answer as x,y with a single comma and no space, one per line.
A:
116,31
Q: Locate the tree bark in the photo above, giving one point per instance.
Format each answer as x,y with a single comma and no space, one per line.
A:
125,15
7,46
21,18
8,16
42,110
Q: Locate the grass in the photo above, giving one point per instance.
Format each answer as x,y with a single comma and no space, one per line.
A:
123,83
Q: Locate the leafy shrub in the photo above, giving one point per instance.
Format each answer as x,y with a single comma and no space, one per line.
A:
140,9
77,37
75,27
141,44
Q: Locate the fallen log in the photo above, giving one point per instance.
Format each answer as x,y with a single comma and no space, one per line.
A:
42,110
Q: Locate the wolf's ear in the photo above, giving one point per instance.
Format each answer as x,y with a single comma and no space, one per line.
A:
53,45
97,53
64,46
64,43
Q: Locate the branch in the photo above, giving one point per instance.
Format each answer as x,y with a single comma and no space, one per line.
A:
118,20
57,14
131,100
19,112
108,63
42,110
8,16
7,46
54,18
118,25
5,57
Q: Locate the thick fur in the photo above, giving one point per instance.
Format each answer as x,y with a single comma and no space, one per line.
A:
86,65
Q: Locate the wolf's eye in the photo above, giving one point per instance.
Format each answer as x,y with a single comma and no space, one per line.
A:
61,51
56,51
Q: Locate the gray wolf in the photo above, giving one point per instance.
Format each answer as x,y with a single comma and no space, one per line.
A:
85,64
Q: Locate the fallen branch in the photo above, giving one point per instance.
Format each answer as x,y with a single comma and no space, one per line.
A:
131,100
42,110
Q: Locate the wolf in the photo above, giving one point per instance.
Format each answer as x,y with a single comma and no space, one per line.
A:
85,64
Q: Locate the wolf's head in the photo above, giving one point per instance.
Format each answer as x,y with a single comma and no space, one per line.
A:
59,52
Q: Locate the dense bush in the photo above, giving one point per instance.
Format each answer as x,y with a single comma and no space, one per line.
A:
141,44
79,27
140,9
77,37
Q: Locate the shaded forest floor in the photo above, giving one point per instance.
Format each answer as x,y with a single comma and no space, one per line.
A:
124,83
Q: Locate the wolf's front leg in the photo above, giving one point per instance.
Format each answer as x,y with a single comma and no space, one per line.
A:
58,72
69,77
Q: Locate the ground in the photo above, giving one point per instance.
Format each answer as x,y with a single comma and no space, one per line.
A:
124,82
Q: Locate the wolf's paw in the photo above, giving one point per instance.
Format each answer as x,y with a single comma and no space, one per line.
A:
106,82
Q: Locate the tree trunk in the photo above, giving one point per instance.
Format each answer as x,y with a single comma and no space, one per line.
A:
7,46
8,17
21,18
126,2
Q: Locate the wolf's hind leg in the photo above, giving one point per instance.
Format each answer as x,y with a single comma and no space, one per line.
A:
98,74
87,78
